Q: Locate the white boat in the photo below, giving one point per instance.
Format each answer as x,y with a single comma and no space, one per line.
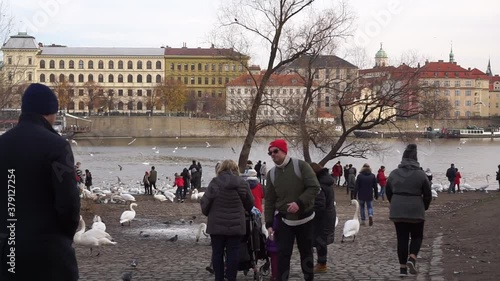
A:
473,132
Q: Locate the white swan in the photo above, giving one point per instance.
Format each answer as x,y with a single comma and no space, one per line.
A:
201,229
98,224
351,227
127,197
195,195
169,195
128,216
92,238
483,187
159,197
336,221
434,193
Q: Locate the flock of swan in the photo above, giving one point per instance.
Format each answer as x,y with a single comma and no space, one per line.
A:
439,187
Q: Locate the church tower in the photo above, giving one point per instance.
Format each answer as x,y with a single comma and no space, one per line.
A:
452,56
381,58
488,69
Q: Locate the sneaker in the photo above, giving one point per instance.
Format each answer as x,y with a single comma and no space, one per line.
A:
320,268
403,271
182,201
411,265
370,221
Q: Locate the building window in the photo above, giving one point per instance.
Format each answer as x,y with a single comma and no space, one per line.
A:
457,93
81,106
468,103
192,80
100,64
179,67
71,92
327,101
130,65
227,80
213,80
149,93
139,106
30,61
220,94
91,77
139,93
457,84
468,83
436,83
226,67
149,79
120,64
199,94
139,65
120,78
457,113
468,92
61,64
158,64
52,64
80,92
71,78
130,105
111,78
120,93
42,78
52,78
206,80
206,67
130,78
185,67
446,92
80,78
111,64
71,64
61,78
91,64
139,78
80,64
158,78
120,105
220,80
172,67
100,78
130,93
199,80
213,94
199,67
30,76
213,66
185,80
457,103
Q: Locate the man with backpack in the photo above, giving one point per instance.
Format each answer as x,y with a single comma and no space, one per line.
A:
292,187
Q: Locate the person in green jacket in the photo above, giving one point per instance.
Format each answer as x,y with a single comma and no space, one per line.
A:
291,187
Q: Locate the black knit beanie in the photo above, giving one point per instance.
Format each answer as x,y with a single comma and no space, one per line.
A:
411,152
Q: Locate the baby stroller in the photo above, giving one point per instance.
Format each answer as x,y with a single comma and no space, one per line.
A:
253,248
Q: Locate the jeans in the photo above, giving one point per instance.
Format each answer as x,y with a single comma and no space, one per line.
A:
451,188
362,209
336,180
178,192
382,192
232,246
403,232
285,237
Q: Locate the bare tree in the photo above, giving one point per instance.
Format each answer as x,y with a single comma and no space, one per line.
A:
63,89
434,106
288,29
92,99
172,93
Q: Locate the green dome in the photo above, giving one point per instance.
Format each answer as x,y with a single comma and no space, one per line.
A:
381,53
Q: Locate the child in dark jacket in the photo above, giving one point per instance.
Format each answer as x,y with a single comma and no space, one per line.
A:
272,249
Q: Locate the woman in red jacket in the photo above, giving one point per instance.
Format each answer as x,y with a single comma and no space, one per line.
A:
382,181
458,176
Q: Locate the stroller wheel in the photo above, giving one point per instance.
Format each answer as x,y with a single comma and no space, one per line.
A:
258,277
264,269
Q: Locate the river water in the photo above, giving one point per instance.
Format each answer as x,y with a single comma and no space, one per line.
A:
475,158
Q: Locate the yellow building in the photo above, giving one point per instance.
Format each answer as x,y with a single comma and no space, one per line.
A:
120,80
205,72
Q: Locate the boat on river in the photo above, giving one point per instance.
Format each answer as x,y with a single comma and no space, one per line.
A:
472,132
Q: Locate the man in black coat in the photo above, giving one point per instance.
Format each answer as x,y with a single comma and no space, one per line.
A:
40,202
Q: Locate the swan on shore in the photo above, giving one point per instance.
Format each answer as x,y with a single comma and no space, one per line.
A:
128,216
351,227
92,238
201,230
98,224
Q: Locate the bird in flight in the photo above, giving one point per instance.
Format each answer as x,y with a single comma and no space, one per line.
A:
120,166
208,144
132,142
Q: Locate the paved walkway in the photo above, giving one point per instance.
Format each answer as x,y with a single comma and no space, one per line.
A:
371,257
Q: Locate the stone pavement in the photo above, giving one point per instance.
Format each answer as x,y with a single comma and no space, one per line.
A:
372,256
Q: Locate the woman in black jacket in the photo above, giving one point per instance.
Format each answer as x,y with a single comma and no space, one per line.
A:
324,216
225,202
409,192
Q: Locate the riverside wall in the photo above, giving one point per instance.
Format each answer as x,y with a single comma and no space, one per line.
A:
171,127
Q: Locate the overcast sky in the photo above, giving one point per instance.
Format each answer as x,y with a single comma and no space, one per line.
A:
424,27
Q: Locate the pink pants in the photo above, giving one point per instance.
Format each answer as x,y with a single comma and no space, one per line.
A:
274,265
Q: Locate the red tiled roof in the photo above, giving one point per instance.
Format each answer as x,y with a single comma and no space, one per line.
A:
202,52
276,80
493,79
449,70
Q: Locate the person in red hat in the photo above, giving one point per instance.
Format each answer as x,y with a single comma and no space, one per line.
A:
292,187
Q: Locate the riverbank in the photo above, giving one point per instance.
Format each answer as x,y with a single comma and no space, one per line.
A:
173,126
454,222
